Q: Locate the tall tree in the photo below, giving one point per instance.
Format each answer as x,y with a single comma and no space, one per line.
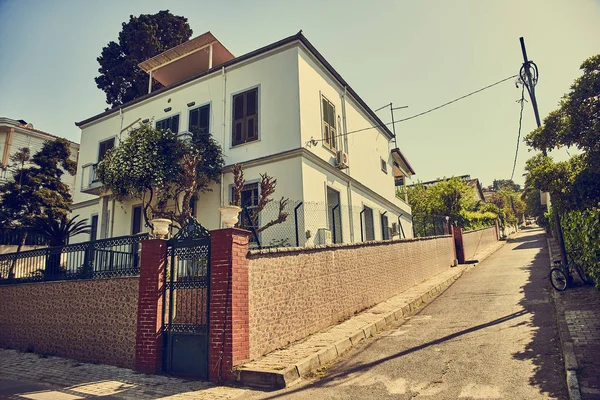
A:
36,188
141,38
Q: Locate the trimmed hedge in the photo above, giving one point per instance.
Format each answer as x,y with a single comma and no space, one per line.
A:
581,231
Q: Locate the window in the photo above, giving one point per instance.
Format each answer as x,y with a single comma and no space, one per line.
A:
385,230
329,136
171,123
245,117
136,220
199,119
249,201
104,147
369,224
384,165
94,227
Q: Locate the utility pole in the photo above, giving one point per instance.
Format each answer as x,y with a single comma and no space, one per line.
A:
529,77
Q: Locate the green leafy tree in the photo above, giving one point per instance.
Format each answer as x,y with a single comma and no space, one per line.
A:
161,170
573,184
141,38
505,183
36,190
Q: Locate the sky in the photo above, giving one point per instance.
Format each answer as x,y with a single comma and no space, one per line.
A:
416,54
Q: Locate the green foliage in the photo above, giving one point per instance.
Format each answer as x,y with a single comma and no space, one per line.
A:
36,188
453,198
573,184
158,168
581,232
534,207
141,38
505,184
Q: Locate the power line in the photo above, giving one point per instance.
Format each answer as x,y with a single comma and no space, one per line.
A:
422,113
522,101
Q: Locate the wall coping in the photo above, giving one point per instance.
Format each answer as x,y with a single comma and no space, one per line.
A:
68,281
480,229
325,247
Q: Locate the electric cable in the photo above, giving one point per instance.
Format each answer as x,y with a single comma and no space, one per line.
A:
522,101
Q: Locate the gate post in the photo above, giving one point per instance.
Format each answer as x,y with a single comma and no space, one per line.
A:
148,340
229,336
458,244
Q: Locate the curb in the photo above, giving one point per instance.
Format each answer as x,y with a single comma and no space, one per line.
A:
569,357
284,378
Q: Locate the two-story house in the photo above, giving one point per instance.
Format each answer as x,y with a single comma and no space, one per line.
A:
281,109
17,134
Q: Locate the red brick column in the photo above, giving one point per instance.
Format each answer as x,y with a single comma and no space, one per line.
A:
229,337
148,340
458,244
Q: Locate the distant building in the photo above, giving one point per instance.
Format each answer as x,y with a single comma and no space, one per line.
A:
16,134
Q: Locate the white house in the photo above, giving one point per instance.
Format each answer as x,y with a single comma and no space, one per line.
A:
16,134
281,109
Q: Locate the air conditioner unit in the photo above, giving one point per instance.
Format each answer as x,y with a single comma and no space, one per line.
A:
323,236
341,160
394,229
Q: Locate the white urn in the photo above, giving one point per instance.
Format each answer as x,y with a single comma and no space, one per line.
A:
229,215
161,227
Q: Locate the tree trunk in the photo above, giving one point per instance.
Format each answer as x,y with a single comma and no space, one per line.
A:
11,271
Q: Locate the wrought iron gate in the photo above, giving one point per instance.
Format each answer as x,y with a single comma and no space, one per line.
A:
186,305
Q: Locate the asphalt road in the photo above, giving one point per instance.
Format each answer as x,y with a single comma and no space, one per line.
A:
491,335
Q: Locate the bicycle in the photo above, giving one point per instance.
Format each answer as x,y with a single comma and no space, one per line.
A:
561,277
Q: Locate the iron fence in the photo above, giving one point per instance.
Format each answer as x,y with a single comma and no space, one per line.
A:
430,225
313,223
118,256
15,237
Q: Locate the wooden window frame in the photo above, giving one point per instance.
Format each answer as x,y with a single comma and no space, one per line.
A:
328,126
244,120
178,115
194,108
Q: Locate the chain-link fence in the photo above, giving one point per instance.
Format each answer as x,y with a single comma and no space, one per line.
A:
296,223
430,225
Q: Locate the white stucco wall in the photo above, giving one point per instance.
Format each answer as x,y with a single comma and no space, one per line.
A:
365,149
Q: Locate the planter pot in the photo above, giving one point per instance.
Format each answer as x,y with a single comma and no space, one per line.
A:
161,227
229,215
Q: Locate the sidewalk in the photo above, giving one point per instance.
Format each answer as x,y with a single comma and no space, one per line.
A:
283,367
578,314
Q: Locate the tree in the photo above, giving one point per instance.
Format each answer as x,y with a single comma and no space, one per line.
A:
141,38
573,184
267,188
162,170
36,188
505,183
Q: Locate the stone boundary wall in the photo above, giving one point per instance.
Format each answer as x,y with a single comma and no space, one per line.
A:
87,320
296,292
477,241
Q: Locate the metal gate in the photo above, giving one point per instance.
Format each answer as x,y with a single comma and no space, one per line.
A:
186,305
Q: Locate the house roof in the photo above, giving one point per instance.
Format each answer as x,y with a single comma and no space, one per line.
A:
290,39
23,125
399,157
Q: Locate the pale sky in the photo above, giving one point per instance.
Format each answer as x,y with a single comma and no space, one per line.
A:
419,54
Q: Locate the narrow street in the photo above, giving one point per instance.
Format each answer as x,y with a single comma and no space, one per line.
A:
491,335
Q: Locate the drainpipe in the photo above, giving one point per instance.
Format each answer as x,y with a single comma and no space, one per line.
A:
349,187
224,137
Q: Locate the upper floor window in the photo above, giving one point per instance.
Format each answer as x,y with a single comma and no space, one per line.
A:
199,119
384,165
171,123
245,117
329,132
369,223
104,146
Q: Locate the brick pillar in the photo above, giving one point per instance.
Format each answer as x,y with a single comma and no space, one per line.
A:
148,340
229,337
458,244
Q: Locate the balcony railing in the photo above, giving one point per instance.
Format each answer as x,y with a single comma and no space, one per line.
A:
89,181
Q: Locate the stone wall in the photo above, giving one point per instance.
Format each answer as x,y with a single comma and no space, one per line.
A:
87,320
294,293
479,240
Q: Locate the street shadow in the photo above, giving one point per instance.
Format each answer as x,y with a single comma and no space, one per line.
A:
329,379
544,349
